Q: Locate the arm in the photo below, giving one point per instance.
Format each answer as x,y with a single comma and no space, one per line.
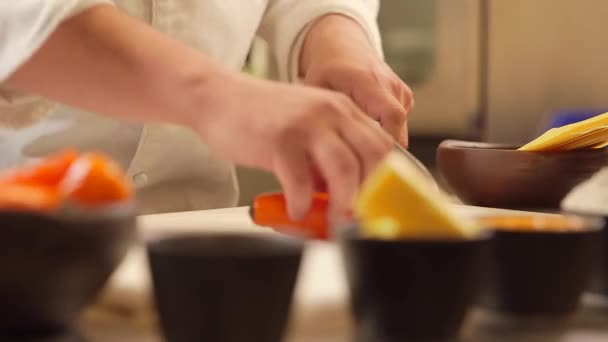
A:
107,62
287,23
340,49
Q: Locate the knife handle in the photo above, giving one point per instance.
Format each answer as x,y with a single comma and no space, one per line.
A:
270,210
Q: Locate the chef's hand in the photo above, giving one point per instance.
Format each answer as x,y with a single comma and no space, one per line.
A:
294,132
337,55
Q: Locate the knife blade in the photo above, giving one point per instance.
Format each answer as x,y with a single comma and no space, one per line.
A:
418,164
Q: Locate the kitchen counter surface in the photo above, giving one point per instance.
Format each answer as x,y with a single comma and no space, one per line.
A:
320,310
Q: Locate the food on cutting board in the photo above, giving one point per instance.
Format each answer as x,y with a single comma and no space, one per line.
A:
398,201
533,223
591,133
87,180
271,210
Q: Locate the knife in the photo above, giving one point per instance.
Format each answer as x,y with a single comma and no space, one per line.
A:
416,162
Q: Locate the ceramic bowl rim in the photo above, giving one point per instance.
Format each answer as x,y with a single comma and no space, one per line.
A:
465,145
593,225
280,245
347,235
81,215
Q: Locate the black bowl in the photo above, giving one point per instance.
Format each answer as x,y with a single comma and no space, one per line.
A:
52,267
533,273
411,290
599,282
224,287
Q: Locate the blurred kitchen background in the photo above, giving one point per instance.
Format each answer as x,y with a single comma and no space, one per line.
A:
494,70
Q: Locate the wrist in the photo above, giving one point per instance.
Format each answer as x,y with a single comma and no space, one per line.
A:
333,36
205,94
218,98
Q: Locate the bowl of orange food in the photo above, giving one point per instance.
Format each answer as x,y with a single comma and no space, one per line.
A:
539,264
66,222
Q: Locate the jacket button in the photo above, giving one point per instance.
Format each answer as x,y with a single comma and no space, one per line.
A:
140,179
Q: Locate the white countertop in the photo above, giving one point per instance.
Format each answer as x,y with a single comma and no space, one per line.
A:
320,310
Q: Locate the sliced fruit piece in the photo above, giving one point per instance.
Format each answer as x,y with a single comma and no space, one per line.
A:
385,228
49,171
29,197
398,200
94,179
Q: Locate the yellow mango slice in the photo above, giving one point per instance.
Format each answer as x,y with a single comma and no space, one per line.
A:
398,201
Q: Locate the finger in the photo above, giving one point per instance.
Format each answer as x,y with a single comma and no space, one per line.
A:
292,169
402,92
406,97
340,168
408,102
366,138
318,181
380,104
391,113
379,135
404,140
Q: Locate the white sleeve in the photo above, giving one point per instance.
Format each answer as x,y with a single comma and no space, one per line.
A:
286,23
26,24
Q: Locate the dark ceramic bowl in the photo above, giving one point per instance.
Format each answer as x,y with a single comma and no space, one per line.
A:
599,282
411,290
52,267
224,287
541,272
499,176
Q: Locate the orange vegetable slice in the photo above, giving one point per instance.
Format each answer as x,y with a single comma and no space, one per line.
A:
94,179
29,197
270,210
49,171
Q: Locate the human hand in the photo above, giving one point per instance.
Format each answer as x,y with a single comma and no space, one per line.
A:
296,132
337,55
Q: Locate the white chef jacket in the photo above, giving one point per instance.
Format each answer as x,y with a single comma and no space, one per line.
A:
171,167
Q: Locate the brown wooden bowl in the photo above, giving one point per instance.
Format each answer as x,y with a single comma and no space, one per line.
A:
495,175
53,266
